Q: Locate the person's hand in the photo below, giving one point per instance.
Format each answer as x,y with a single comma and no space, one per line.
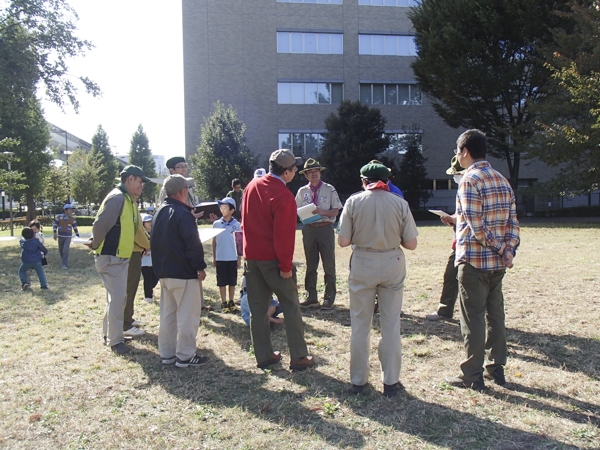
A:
201,275
507,259
213,217
276,320
55,237
214,262
285,275
198,215
448,220
502,247
89,244
147,252
239,264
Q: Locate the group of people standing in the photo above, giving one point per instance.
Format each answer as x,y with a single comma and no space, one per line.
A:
375,222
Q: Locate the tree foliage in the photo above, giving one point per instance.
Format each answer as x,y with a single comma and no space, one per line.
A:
222,154
140,155
107,164
55,186
84,174
570,117
37,38
412,178
480,62
355,136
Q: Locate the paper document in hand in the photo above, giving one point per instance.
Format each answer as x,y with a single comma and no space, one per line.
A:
206,234
306,214
439,212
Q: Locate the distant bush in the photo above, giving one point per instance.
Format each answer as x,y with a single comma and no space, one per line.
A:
577,211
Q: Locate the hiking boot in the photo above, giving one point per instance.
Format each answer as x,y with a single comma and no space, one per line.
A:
391,390
477,385
133,332
497,376
196,361
120,348
309,302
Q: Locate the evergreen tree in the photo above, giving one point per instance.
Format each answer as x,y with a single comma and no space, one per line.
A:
480,63
412,178
84,171
55,188
569,118
222,154
26,125
355,136
140,155
108,168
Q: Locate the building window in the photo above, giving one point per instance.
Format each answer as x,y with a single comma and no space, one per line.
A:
399,142
309,93
403,3
302,143
390,94
323,43
329,2
386,45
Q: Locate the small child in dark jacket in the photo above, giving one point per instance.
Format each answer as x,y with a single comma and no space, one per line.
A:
31,258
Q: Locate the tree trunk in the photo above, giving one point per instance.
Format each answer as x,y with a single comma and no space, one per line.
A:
31,213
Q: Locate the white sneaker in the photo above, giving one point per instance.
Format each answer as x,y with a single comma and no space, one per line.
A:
134,331
136,323
149,300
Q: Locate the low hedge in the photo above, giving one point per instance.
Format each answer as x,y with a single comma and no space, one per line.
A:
576,211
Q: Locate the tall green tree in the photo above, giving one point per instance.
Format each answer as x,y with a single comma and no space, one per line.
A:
84,174
108,168
480,63
222,154
412,178
355,135
27,125
569,119
55,186
37,39
140,155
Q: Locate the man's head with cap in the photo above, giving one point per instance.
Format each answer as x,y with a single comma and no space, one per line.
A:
312,171
227,206
177,165
455,167
133,178
176,186
374,172
284,164
68,206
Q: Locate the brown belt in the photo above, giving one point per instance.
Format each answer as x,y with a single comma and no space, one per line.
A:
319,224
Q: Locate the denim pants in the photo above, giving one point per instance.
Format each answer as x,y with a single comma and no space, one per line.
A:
38,269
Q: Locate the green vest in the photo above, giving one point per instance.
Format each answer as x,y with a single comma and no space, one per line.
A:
124,229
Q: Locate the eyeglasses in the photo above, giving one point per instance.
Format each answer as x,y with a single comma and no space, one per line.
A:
181,166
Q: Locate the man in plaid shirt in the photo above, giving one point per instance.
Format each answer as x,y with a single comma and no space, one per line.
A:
487,236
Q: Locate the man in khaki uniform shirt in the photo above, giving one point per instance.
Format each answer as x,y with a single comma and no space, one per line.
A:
377,223
318,237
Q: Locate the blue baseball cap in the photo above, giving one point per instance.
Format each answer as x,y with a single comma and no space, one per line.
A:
68,206
227,200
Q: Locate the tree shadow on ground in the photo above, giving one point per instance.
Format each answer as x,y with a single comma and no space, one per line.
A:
300,404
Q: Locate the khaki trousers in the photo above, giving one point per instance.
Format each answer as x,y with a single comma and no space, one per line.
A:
481,320
262,280
319,241
449,289
381,274
180,310
113,272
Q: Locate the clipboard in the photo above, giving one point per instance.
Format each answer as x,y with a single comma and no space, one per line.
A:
439,212
208,208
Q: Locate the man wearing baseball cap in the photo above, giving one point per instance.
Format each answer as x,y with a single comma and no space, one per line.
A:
112,242
64,225
269,225
177,165
378,269
318,237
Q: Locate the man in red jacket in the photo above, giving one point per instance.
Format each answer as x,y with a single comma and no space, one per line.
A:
269,225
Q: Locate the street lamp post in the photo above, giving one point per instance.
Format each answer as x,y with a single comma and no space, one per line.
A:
9,155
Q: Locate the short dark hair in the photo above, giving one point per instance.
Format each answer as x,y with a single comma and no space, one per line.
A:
475,141
27,233
235,182
35,223
276,169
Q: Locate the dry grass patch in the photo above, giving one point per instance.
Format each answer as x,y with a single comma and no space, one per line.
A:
61,388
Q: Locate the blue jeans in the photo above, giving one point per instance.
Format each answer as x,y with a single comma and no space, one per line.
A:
38,269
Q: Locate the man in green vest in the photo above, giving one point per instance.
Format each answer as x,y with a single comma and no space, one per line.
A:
112,242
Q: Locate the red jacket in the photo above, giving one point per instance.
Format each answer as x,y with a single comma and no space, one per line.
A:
269,221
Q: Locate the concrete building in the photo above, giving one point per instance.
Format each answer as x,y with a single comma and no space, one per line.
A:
65,142
284,65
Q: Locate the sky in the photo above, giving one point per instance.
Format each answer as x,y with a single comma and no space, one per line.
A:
138,63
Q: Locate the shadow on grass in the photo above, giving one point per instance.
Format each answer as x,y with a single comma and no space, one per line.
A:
210,389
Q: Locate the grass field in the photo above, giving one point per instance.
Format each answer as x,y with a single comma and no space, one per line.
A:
61,388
